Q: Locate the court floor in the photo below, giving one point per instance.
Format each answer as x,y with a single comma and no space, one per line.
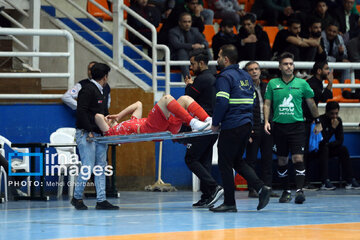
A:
169,215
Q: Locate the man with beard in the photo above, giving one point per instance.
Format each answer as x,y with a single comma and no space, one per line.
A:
233,110
320,72
285,96
253,41
199,150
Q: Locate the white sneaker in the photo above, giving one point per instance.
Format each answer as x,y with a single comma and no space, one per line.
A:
208,120
197,125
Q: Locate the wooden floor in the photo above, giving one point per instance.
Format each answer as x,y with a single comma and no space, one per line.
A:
169,215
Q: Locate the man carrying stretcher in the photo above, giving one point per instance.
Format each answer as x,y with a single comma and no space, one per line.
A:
167,115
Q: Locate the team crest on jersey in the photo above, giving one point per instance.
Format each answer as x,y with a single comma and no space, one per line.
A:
287,107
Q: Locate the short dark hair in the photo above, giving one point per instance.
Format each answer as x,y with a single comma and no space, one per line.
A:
292,21
331,106
249,16
286,55
200,55
250,63
314,20
183,14
318,65
99,70
230,51
334,23
227,22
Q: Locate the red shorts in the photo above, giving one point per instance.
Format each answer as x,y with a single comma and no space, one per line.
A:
127,127
157,122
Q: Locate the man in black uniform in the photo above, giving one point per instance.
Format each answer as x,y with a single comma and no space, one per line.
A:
199,150
320,72
258,138
91,100
69,98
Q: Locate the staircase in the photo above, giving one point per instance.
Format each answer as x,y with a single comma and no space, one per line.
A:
108,37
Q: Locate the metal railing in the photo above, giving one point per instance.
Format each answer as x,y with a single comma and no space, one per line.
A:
40,32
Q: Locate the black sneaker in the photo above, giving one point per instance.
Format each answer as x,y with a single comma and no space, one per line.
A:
224,208
310,187
285,197
202,203
219,191
78,204
327,185
299,197
105,205
264,197
353,185
253,193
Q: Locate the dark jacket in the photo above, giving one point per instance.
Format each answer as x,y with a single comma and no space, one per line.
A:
90,102
221,39
203,90
328,131
177,39
339,15
151,14
234,98
258,126
321,94
106,91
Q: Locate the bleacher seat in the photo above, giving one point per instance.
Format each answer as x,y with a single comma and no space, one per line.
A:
97,12
271,32
337,94
209,33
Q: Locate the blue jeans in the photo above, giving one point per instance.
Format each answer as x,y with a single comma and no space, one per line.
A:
91,154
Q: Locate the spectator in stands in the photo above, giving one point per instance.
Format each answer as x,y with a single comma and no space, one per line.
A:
273,11
320,73
193,8
150,13
13,181
258,138
289,40
332,125
206,14
69,98
184,38
225,36
228,9
348,21
353,47
253,41
334,47
321,12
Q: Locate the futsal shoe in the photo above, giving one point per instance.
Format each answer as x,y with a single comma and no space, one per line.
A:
78,204
353,185
218,192
202,203
264,197
285,197
208,120
105,205
299,197
197,125
327,185
224,208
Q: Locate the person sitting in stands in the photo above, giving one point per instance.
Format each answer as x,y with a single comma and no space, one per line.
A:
225,36
254,42
167,115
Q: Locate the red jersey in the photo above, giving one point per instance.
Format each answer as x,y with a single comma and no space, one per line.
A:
126,127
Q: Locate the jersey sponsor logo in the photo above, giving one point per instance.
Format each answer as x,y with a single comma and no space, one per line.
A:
287,107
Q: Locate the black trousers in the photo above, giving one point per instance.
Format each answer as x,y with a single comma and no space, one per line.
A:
231,146
325,152
198,158
264,142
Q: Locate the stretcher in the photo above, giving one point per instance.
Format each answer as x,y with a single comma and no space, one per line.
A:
144,137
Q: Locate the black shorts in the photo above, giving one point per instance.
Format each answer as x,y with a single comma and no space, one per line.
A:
289,137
